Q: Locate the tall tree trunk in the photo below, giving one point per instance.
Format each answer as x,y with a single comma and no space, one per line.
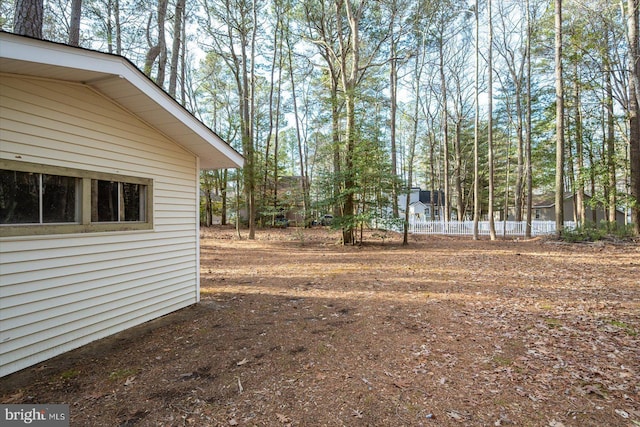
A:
492,225
223,194
74,25
580,195
162,42
412,152
116,17
520,168
159,48
27,19
419,64
515,60
178,44
559,218
505,217
476,131
634,107
528,162
320,27
276,149
611,160
275,132
457,171
208,208
303,178
275,66
237,206
519,190
335,141
113,25
432,178
445,134
592,182
109,26
232,47
183,64
251,119
570,174
393,88
350,72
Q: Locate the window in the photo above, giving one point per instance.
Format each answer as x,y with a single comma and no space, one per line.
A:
41,199
37,198
537,213
113,201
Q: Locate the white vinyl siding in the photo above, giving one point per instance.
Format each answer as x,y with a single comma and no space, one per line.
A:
59,292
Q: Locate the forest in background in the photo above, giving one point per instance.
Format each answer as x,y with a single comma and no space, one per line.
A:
339,106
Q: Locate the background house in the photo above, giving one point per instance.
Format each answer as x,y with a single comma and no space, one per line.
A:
99,189
423,204
544,209
284,204
291,199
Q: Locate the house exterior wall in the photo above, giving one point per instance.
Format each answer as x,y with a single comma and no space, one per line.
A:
59,292
417,207
402,199
548,213
420,211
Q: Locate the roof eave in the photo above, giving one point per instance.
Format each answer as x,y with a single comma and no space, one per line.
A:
119,80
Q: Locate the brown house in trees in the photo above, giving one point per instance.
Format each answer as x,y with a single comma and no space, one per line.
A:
544,209
291,199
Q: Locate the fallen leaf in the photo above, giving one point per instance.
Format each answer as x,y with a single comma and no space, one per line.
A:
401,384
233,422
243,362
95,395
283,418
130,381
623,414
591,389
357,413
455,415
14,398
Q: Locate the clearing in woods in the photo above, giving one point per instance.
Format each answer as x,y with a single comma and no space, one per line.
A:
294,329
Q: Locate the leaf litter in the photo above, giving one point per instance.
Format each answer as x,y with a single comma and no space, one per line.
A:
301,331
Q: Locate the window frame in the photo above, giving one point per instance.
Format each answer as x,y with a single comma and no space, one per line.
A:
121,207
84,224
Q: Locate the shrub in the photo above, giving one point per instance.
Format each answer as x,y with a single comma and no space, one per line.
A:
591,232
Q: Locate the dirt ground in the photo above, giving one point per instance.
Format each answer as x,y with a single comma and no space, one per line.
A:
295,330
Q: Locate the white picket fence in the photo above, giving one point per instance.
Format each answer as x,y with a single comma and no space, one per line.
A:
465,228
